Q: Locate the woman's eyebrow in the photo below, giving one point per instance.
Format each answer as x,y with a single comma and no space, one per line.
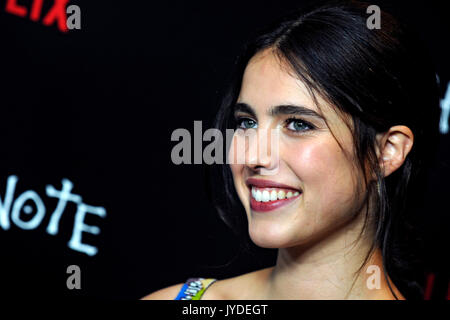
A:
294,110
243,107
288,109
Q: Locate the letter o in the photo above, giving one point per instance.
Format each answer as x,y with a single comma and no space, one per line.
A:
19,203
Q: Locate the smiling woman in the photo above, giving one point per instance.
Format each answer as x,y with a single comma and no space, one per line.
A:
356,112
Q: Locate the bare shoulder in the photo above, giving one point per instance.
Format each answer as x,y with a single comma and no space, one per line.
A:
243,287
168,293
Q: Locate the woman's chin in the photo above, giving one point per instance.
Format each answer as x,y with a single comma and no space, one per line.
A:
271,237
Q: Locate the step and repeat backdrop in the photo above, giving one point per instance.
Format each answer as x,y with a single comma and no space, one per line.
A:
91,204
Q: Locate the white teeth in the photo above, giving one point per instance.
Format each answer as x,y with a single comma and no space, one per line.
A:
262,195
273,195
258,195
265,196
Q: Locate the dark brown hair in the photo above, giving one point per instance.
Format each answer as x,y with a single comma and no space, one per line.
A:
380,78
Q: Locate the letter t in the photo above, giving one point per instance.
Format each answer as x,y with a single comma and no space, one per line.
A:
64,195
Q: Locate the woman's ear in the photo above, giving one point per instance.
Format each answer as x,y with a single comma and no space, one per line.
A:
393,147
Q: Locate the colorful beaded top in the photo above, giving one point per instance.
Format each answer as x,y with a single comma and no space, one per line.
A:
194,288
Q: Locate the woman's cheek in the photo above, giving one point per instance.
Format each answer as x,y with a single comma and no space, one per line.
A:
236,171
309,162
323,172
236,166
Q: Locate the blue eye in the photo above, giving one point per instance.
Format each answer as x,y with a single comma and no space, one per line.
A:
246,123
298,125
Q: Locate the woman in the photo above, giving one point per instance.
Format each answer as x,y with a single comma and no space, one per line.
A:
355,111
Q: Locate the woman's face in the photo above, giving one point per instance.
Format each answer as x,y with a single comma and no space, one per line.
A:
309,165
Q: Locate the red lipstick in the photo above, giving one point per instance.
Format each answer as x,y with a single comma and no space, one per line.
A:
261,188
263,183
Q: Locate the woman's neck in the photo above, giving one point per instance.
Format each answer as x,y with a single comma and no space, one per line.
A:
330,269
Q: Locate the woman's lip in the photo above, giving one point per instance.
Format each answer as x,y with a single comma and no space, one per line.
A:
263,183
270,205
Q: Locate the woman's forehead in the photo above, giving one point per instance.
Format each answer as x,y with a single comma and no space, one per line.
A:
267,82
270,81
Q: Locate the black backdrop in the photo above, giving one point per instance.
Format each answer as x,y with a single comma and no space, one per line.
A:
97,106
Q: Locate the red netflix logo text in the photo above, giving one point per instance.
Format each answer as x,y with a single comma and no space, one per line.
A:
57,14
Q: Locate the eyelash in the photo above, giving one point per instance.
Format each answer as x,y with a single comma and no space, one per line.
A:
306,123
287,122
239,122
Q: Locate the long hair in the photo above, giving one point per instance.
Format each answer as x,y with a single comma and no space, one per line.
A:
379,78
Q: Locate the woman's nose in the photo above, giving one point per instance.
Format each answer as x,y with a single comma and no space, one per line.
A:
262,154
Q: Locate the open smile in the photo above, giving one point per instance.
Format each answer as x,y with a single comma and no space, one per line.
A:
268,195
